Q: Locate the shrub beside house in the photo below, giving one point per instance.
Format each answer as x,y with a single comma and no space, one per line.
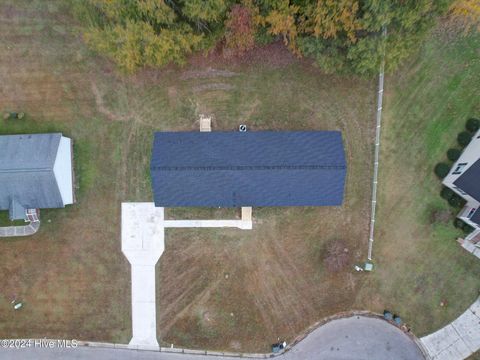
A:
462,185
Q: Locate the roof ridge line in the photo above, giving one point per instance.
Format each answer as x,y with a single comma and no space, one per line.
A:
26,170
249,167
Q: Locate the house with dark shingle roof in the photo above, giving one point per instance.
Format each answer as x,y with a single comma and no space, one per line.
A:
248,169
464,179
35,173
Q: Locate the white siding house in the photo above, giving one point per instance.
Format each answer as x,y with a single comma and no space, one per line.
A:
464,179
36,172
62,170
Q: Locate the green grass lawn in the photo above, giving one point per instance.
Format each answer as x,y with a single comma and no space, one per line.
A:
418,261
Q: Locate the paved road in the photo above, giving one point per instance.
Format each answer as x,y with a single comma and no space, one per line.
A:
354,338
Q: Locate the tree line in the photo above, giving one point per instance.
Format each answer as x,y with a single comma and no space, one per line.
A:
343,36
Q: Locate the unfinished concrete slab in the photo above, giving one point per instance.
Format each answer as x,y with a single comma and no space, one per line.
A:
457,340
143,244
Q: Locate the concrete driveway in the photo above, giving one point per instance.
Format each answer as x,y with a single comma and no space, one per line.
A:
353,338
143,242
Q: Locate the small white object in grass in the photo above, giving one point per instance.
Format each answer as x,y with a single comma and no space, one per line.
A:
368,266
49,220
18,306
242,128
358,268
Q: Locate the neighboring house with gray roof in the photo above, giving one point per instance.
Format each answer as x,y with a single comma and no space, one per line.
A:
36,172
464,179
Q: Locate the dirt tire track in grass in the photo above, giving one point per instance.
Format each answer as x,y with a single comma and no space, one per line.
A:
102,108
273,298
206,74
199,300
134,124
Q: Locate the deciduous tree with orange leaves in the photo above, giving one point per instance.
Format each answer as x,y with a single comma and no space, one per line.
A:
240,28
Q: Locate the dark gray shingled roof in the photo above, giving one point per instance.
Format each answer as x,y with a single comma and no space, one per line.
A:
469,181
476,217
233,169
26,171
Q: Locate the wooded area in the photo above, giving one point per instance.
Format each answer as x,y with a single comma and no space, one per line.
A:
342,36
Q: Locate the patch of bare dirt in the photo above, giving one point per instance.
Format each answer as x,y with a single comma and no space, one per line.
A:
201,65
198,302
206,74
102,108
440,216
273,55
337,256
212,87
450,28
235,345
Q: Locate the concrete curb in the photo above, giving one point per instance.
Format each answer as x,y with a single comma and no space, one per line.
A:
176,350
422,348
